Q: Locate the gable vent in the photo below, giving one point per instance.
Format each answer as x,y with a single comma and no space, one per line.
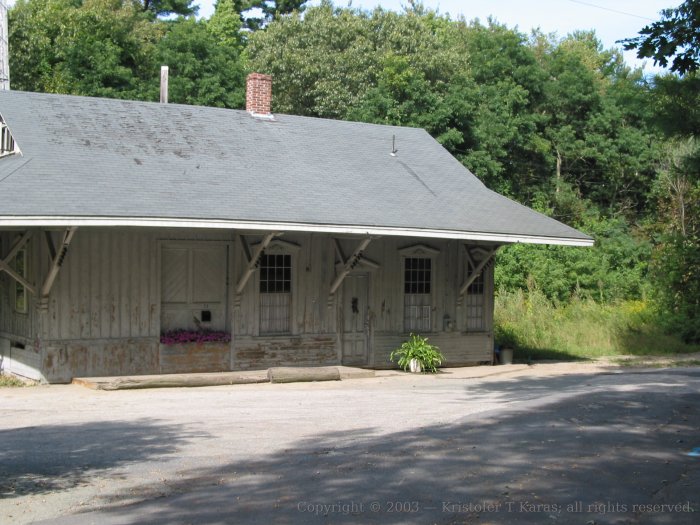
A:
7,143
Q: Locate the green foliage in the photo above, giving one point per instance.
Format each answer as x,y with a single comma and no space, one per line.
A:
506,335
418,348
676,259
676,35
615,269
114,48
11,381
205,68
582,328
169,7
95,47
269,10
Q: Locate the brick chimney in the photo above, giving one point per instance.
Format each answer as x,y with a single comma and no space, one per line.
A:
258,94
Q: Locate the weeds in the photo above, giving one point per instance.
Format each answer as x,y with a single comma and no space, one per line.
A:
582,328
10,381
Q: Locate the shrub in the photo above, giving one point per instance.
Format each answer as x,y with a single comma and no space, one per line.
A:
418,348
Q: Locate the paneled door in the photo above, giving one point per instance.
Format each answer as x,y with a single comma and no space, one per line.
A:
356,321
193,285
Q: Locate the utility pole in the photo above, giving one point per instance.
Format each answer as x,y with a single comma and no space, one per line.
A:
4,49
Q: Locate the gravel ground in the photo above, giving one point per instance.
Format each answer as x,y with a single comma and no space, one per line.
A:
560,443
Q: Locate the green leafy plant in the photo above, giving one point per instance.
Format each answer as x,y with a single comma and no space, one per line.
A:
428,356
506,335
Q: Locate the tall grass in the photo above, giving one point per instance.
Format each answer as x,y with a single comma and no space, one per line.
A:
580,329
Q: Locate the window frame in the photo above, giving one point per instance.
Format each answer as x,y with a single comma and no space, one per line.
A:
484,280
476,300
8,146
419,251
284,248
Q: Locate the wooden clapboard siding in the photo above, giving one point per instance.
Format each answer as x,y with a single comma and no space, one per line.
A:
104,313
63,360
109,284
264,352
193,357
312,274
104,289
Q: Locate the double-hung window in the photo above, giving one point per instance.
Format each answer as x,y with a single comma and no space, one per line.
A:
475,304
275,293
418,298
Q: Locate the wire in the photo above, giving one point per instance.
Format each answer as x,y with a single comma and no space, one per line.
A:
611,10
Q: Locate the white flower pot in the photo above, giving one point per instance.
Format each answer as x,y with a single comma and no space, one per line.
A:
415,366
506,356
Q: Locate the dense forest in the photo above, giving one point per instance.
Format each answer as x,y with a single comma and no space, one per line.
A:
558,123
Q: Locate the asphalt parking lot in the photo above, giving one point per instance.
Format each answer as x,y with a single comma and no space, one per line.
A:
585,447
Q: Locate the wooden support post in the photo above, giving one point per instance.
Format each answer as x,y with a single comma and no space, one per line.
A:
253,262
57,262
5,263
18,246
349,264
475,273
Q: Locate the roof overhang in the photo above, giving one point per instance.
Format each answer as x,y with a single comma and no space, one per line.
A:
155,222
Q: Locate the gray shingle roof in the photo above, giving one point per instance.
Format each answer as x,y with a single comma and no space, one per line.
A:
91,157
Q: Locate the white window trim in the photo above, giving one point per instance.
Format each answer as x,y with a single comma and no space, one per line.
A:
419,251
6,139
477,253
279,247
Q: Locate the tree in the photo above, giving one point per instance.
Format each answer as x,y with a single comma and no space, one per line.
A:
676,35
94,47
204,61
114,48
169,7
676,261
256,14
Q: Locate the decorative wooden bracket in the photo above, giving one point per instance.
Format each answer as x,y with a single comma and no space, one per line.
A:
475,268
57,258
5,263
349,263
253,260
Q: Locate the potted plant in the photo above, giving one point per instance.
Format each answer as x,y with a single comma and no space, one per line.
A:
506,342
417,355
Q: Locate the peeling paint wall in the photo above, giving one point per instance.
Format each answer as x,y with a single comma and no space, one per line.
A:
62,361
264,352
104,312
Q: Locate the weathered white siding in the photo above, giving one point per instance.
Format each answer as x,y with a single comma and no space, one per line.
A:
18,354
105,312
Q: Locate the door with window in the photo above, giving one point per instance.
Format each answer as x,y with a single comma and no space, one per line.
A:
356,320
193,286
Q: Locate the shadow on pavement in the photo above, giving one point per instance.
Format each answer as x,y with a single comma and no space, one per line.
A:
587,457
49,458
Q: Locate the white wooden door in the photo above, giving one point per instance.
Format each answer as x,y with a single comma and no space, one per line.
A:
356,322
193,286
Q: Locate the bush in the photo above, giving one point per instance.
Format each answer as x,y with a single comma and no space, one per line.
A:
582,328
418,348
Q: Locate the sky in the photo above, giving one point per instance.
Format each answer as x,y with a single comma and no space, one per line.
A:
612,19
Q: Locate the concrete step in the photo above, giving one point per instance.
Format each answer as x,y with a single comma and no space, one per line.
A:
197,379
